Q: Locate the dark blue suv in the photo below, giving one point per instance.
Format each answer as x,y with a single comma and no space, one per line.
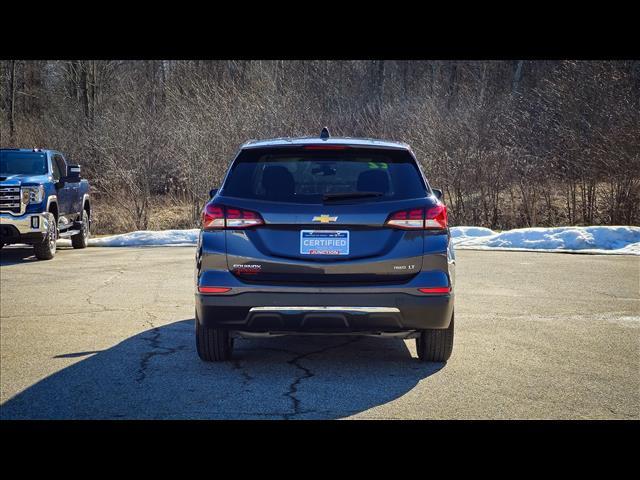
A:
325,236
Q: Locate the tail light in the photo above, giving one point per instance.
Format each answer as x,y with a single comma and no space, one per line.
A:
434,218
239,218
407,219
213,216
221,217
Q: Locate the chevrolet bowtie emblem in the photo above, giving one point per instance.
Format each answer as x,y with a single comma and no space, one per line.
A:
324,219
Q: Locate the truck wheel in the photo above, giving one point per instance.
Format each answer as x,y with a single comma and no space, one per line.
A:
435,345
46,249
81,239
213,344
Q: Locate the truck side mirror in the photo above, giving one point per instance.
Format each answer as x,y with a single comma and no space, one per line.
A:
73,173
438,193
212,192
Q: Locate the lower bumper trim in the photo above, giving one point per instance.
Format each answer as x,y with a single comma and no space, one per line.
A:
326,309
378,334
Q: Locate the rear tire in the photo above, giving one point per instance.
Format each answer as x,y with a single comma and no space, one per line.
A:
213,344
435,345
46,249
82,239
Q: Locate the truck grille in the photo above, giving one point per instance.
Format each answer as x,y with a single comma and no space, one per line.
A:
10,199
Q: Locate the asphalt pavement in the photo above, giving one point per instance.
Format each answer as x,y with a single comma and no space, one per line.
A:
108,333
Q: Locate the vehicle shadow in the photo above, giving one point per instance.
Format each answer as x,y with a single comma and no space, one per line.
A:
12,255
158,375
17,254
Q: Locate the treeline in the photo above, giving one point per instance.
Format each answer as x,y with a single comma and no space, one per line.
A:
512,143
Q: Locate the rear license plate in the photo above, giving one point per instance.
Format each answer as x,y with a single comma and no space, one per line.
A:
324,242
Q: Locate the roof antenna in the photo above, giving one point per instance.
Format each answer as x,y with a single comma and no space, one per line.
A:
324,134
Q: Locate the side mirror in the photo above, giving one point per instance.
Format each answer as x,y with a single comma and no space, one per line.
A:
212,192
73,173
438,193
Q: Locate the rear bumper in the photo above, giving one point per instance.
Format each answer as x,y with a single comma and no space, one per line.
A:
21,229
374,311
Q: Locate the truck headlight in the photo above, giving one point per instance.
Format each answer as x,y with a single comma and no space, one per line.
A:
32,194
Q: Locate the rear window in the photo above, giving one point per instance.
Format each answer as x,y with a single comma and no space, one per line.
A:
321,176
23,163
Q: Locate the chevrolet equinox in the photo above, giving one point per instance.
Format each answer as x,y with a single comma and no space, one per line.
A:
325,235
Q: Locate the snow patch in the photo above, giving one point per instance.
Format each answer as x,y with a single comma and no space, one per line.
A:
613,240
140,238
457,232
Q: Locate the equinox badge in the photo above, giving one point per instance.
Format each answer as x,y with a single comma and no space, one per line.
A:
324,218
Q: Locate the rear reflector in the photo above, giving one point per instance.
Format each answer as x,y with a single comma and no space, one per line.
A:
435,290
213,289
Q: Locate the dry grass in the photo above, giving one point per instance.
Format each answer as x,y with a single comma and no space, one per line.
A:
164,215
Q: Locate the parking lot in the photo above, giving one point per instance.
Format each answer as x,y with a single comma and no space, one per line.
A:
107,333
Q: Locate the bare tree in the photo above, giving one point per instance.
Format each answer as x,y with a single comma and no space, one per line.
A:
512,144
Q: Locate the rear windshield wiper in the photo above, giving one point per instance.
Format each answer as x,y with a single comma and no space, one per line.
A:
349,195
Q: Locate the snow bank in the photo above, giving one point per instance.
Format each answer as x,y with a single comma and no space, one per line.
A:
458,232
145,238
610,240
616,240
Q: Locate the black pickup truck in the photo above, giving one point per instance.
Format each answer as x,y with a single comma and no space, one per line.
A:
42,198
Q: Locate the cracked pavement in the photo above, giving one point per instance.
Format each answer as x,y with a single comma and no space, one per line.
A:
107,333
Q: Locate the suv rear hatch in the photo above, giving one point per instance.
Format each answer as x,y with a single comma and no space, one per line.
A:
319,215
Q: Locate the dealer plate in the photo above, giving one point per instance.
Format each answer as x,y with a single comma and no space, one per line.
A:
324,242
